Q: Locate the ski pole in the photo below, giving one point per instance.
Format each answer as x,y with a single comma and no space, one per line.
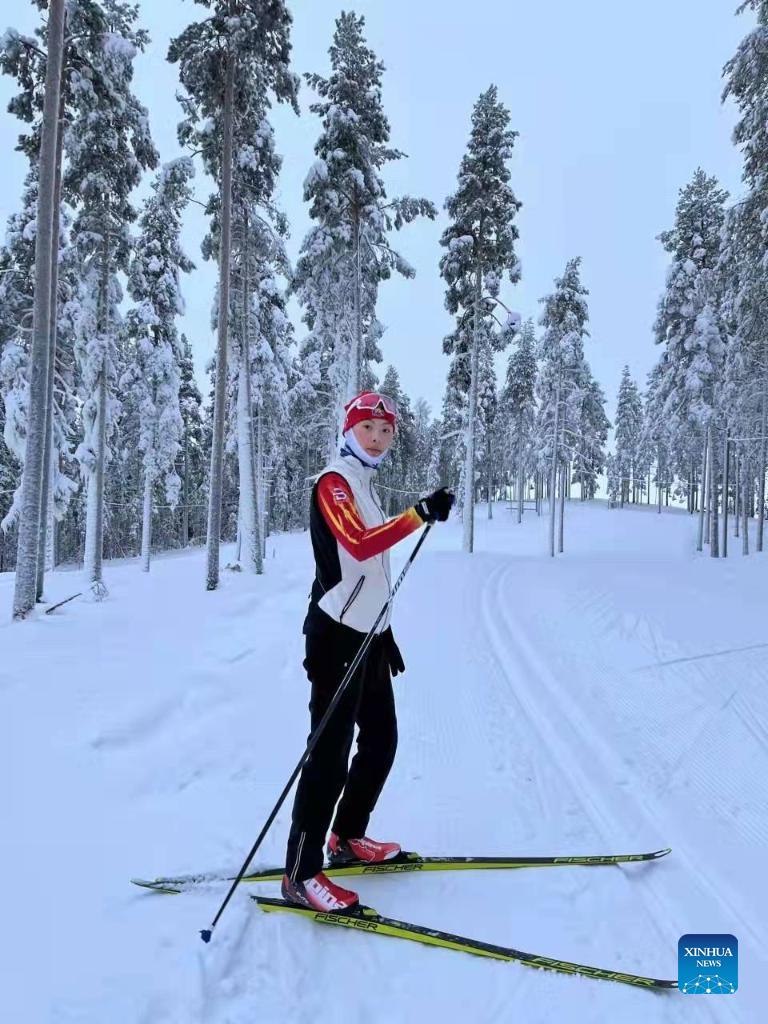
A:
206,933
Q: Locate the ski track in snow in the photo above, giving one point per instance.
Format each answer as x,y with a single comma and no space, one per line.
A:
548,706
586,761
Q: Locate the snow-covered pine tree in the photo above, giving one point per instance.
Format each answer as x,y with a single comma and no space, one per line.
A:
261,330
396,471
17,256
347,253
518,407
747,240
190,464
17,262
422,472
629,429
590,455
480,249
613,479
154,372
689,325
486,441
46,248
656,438
229,62
22,58
562,379
87,25
9,474
107,144
261,333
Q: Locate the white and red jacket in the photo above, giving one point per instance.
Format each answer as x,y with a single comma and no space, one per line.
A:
351,537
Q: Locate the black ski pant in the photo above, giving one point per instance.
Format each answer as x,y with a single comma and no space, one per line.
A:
369,703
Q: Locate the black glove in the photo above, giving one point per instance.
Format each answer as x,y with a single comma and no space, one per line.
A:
436,505
391,652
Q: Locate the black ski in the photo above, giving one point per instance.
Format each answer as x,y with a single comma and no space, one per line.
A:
403,863
366,919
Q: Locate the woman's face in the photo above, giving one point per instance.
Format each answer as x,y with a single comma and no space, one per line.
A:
374,436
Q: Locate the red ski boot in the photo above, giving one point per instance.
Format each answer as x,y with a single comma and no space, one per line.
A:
344,851
319,893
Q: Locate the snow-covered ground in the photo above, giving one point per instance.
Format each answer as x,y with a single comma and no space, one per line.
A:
611,700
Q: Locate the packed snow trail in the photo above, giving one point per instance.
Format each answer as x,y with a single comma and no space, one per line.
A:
548,706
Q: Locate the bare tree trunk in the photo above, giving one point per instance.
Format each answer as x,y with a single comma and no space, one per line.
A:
490,476
700,541
25,591
736,493
714,497
520,479
353,385
249,504
563,474
146,525
185,508
708,492
260,495
469,460
553,478
94,521
726,481
50,536
745,506
46,498
761,466
225,254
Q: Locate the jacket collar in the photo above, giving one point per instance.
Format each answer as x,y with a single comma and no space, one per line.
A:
355,463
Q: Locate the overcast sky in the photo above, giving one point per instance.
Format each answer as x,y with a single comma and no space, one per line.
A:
616,106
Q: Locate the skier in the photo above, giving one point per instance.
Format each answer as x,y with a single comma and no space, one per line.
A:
351,537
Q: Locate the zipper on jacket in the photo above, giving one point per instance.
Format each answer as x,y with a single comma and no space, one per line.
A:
352,597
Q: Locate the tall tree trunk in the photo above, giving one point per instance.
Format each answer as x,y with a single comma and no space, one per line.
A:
146,524
659,488
726,481
46,497
714,497
25,591
469,459
736,492
261,502
246,456
708,491
520,479
185,492
51,547
225,254
563,476
490,475
761,464
745,506
553,477
94,521
700,541
355,365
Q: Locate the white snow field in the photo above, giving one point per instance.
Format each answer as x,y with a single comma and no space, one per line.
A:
611,700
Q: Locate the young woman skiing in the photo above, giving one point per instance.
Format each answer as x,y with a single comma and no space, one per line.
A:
351,537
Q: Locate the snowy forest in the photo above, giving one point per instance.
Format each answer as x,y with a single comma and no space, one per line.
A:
110,449
541,230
